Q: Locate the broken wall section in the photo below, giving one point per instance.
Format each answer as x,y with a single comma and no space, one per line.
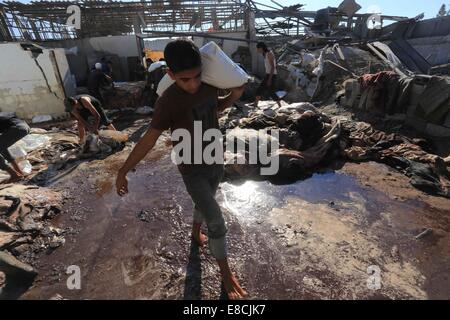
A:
33,81
423,44
82,54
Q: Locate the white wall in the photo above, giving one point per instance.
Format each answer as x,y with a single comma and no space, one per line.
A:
123,46
67,77
90,50
156,44
228,46
27,89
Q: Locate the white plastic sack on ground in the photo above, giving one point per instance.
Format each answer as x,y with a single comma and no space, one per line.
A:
17,152
25,166
318,71
218,70
7,114
296,107
115,135
42,118
144,110
33,141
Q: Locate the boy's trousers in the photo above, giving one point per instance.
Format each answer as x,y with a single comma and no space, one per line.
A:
202,184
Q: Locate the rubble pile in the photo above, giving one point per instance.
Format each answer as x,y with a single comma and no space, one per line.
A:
309,139
25,212
125,95
50,153
316,75
306,137
428,172
420,101
25,231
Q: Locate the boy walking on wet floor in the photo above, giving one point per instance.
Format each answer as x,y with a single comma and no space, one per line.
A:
186,101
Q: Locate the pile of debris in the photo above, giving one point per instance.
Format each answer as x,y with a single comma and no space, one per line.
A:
26,230
314,76
125,95
428,172
420,101
27,211
122,95
46,154
308,139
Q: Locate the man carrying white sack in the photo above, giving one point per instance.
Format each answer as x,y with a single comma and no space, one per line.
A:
186,101
268,84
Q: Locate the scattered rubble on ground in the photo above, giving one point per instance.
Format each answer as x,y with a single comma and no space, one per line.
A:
373,102
309,138
26,230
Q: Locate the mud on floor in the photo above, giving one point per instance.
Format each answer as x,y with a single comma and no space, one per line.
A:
312,239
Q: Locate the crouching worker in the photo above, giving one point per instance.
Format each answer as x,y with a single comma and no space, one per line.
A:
184,102
89,114
12,130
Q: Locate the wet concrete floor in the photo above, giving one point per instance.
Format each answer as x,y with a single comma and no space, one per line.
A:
343,234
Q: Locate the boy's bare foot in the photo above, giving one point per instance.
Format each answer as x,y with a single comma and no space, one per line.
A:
198,235
231,284
233,289
200,238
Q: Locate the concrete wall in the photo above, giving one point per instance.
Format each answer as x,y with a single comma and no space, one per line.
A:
228,46
31,86
434,49
123,46
68,79
431,37
156,44
88,51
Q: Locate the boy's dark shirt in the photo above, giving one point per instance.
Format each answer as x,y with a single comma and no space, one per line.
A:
177,109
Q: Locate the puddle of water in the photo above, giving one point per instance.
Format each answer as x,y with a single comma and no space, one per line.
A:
252,200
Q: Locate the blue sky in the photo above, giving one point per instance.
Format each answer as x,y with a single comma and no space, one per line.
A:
407,8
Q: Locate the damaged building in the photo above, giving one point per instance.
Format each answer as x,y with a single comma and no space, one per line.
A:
363,128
